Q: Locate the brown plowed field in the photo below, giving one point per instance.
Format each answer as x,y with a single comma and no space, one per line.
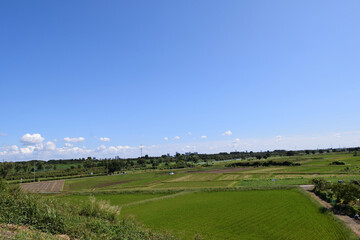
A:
43,187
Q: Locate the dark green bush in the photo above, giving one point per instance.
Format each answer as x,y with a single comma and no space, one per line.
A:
337,163
262,163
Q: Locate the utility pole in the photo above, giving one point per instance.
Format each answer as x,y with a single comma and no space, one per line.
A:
141,147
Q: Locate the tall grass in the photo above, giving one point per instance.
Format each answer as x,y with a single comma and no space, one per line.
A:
96,220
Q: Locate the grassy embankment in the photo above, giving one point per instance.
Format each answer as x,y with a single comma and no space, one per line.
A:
47,216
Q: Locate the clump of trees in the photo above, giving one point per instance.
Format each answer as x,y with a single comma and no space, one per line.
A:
5,168
344,196
262,163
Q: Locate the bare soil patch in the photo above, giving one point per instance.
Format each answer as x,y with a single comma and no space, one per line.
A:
43,187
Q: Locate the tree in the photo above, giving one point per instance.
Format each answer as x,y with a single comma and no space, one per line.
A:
346,192
25,167
155,164
89,163
18,167
39,166
320,184
5,169
141,161
290,153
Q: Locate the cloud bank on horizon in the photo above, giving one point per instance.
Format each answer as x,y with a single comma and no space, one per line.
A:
32,146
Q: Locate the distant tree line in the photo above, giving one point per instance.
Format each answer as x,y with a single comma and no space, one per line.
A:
85,166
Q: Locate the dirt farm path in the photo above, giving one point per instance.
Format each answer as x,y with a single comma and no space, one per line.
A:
350,222
43,187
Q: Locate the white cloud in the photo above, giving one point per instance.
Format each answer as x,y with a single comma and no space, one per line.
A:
9,150
176,137
3,134
74,140
166,138
49,146
31,139
227,133
189,133
105,139
100,148
68,145
27,150
204,137
14,148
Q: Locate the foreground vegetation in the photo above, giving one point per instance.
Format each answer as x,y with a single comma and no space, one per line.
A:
92,220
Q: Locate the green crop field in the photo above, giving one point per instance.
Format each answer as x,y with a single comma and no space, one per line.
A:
220,176
268,214
211,201
123,181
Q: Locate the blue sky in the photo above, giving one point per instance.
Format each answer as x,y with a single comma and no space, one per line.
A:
138,72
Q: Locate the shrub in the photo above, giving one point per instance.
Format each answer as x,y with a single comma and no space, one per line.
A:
346,209
100,209
337,163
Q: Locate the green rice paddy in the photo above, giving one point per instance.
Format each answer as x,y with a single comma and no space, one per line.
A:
212,202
